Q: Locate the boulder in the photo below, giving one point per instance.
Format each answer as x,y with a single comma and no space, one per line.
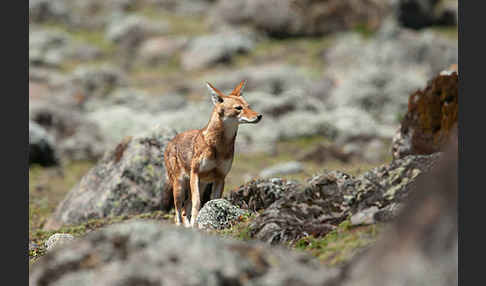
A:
288,18
421,246
332,197
378,74
41,146
148,253
41,11
418,14
129,179
48,47
205,51
76,137
218,214
160,50
259,194
430,119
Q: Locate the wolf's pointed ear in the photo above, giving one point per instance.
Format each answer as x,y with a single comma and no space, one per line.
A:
216,95
238,91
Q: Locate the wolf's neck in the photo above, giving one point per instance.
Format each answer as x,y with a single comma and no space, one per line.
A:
221,132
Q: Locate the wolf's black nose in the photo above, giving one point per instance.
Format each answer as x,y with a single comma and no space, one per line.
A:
259,116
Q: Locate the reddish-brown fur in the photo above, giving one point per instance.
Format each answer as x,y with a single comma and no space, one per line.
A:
196,158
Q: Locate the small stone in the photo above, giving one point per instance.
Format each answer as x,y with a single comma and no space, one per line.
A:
364,217
58,239
218,214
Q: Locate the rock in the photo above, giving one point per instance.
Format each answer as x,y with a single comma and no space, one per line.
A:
129,179
137,100
418,14
365,216
430,119
259,194
268,78
205,51
287,18
160,50
374,151
47,47
424,235
76,137
148,253
91,81
377,75
41,11
332,197
218,214
41,146
133,29
288,168
58,239
323,153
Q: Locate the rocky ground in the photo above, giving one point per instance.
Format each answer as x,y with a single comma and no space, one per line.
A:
357,113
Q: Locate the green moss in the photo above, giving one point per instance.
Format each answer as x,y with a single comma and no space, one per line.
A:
48,186
240,230
341,244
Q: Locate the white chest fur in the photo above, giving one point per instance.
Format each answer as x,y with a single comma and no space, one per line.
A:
223,166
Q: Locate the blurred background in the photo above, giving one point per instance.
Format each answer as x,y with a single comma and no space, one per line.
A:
332,79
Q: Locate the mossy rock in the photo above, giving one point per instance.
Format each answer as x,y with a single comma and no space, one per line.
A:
431,117
129,179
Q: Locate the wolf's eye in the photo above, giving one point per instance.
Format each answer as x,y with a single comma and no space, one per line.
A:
238,107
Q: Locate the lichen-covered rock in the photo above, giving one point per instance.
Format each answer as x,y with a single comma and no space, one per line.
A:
218,214
148,253
129,179
58,239
418,14
204,51
421,246
258,194
286,18
430,119
41,146
332,197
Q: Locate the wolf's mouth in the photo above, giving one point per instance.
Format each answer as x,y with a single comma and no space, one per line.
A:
254,120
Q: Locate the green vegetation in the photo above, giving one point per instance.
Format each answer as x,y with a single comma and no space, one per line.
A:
341,244
240,230
178,25
39,236
48,186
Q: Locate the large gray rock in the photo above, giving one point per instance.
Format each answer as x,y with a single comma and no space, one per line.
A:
160,50
205,51
218,214
41,146
421,247
129,179
378,74
48,10
418,14
147,253
332,197
76,137
287,18
47,47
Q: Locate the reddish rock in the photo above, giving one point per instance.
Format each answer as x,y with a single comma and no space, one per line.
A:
431,116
